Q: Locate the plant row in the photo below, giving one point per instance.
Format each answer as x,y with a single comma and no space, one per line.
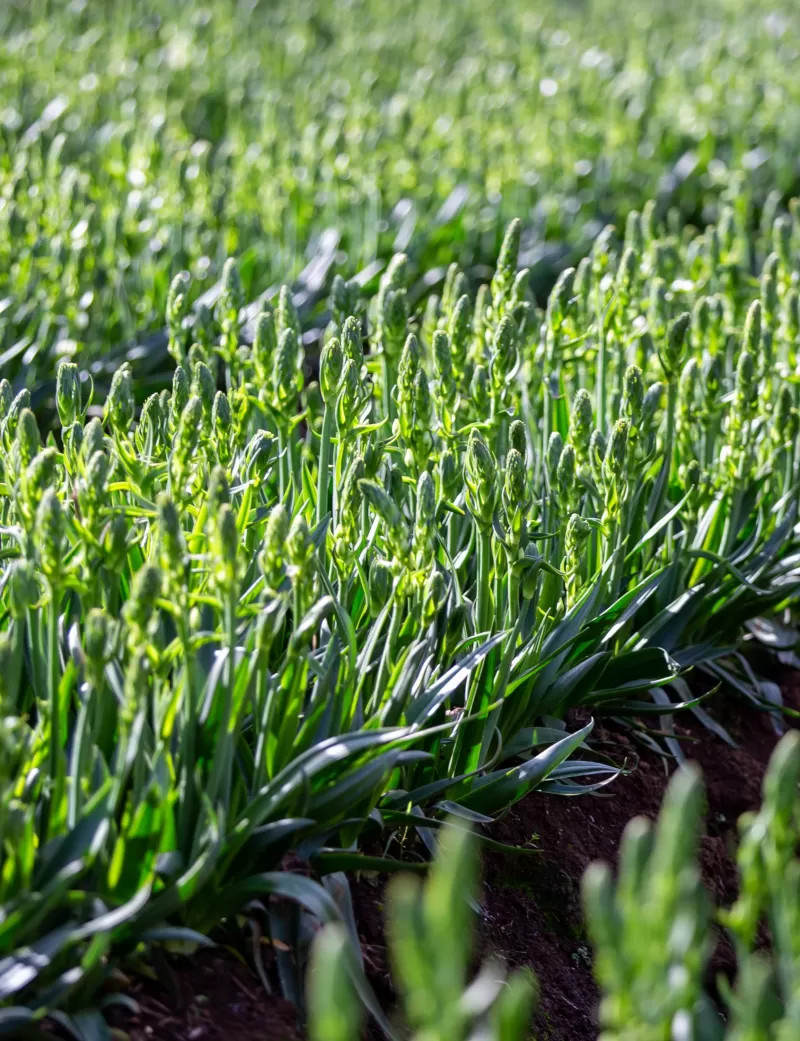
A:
299,616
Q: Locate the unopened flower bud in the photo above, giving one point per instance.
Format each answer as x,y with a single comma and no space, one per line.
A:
68,394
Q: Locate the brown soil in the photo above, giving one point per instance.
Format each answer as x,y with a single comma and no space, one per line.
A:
530,908
212,996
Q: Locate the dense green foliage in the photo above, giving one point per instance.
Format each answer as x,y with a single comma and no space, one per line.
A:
288,614
301,567
143,138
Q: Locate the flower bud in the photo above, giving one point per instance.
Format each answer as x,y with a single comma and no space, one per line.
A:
479,390
633,394
119,408
180,392
204,326
231,297
517,438
515,484
443,364
434,594
115,543
408,368
380,585
224,546
576,535
68,394
480,478
745,382
581,421
616,455
5,398
393,321
582,285
558,302
504,352
691,475
287,369
299,546
769,287
675,346
146,590
27,440
597,453
257,455
626,273
221,418
171,543
352,342
555,446
782,240
426,501
507,263
272,553
565,471
331,364
752,329
98,640
265,342
204,387
177,310
651,403
459,329
49,536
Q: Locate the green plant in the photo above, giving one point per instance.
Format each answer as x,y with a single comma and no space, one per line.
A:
429,926
652,929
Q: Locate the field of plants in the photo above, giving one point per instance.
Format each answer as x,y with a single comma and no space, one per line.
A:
399,471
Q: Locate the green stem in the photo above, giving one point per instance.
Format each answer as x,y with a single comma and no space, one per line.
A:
601,361
662,481
55,759
323,477
483,600
388,369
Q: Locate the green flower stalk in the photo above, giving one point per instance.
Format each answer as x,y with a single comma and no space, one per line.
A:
347,533
459,330
446,389
392,321
506,269
229,304
480,475
331,366
516,499
177,312
581,423
286,384
120,407
272,556
425,522
265,344
576,537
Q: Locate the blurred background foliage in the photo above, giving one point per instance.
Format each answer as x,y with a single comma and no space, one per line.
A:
139,139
